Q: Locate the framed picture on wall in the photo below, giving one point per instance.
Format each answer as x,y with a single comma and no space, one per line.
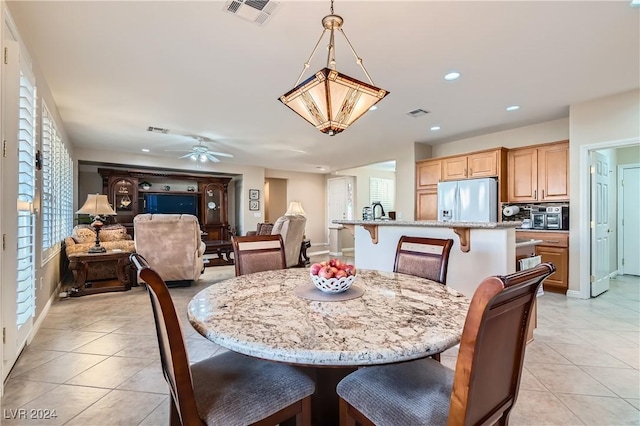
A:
254,205
254,194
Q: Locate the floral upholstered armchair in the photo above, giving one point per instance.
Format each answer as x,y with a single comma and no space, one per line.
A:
262,229
111,237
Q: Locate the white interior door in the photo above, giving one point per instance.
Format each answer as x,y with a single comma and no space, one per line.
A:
599,224
337,200
629,236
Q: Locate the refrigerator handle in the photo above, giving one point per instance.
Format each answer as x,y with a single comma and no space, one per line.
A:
456,212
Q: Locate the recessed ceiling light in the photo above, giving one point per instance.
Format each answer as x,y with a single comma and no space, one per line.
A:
513,108
373,108
145,150
320,168
434,128
453,75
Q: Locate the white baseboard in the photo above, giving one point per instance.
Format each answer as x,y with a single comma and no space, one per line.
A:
613,275
574,294
316,253
335,253
350,249
38,323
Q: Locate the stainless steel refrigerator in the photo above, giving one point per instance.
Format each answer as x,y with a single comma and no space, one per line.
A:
472,200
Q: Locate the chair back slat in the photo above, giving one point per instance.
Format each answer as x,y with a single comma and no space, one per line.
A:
257,253
491,354
173,353
423,257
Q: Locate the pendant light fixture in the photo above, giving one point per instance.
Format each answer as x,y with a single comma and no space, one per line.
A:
329,100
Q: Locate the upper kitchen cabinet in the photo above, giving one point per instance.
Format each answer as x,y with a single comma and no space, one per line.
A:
476,165
538,174
428,174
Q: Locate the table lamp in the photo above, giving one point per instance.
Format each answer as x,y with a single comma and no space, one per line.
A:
295,209
96,207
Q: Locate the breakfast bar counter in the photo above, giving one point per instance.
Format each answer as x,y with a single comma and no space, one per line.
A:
480,249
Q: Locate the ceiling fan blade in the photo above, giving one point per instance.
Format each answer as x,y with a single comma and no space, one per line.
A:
220,154
186,155
211,157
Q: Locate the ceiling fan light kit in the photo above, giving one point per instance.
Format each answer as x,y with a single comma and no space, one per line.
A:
329,100
201,153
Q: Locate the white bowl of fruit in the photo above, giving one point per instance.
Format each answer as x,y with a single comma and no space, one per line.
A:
332,276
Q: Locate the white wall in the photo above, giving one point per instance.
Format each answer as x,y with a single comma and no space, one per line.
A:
549,131
599,121
628,155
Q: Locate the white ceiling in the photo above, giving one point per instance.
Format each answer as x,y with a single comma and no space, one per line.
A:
117,67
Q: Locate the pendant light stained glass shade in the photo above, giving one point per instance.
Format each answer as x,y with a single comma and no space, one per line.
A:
332,101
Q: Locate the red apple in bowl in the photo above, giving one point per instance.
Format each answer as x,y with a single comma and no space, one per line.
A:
349,269
340,274
313,270
325,272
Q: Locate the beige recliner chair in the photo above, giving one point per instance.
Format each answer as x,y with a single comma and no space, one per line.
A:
171,244
291,228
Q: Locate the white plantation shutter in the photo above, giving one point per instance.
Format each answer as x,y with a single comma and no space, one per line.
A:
57,187
383,191
25,281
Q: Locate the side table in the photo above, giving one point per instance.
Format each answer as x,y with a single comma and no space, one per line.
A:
222,249
84,266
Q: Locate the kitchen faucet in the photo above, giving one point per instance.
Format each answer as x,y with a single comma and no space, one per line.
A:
373,210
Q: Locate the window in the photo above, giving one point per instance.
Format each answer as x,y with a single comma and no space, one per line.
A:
57,187
25,278
383,191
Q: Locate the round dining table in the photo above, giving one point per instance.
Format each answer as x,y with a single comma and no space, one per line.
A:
397,318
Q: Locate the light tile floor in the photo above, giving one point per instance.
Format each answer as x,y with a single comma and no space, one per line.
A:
95,360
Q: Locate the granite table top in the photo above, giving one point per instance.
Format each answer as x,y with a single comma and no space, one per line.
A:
399,317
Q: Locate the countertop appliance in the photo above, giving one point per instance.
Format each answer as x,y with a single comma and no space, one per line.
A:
550,217
471,200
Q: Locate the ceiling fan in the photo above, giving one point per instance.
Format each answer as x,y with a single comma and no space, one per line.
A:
200,152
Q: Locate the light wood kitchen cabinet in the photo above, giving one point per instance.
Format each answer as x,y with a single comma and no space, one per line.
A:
427,204
537,174
480,164
428,174
555,249
553,172
454,168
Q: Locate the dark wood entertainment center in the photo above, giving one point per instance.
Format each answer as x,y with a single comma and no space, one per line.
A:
126,193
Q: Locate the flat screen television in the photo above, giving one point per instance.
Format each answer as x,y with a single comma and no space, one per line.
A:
171,203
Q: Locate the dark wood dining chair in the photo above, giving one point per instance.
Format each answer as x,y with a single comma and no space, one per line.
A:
484,387
257,253
228,389
423,257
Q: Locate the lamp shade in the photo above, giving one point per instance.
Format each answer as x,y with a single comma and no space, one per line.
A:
332,101
295,209
97,205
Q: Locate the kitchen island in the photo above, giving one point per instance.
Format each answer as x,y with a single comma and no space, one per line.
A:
480,249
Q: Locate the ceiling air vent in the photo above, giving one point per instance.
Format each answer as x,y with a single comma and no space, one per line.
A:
417,113
257,11
157,130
